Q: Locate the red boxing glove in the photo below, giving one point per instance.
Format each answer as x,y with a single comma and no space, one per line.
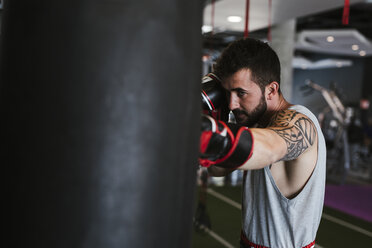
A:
225,145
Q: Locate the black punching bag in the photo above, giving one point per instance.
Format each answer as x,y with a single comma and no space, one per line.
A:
100,105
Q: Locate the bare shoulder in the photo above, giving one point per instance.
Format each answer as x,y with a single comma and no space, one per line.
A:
297,130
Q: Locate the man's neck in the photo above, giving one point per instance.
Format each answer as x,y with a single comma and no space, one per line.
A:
279,105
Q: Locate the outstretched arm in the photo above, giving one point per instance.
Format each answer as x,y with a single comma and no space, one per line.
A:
290,135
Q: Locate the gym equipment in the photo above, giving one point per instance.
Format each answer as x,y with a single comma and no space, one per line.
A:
343,157
92,106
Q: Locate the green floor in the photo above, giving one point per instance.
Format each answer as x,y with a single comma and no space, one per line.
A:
226,219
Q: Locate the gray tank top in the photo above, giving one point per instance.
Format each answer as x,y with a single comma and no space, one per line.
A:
272,220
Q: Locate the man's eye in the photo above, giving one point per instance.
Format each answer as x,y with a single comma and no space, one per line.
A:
241,93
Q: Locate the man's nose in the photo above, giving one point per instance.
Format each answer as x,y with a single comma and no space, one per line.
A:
233,102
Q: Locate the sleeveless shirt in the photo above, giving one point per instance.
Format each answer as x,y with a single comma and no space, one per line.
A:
272,220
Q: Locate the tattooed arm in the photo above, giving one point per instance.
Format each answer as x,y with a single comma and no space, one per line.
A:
288,137
297,130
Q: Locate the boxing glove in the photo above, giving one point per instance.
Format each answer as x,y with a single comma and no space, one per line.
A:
225,145
212,93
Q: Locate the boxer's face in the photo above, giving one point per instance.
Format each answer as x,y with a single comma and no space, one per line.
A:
246,99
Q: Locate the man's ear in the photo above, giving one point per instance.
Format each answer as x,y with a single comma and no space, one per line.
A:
272,90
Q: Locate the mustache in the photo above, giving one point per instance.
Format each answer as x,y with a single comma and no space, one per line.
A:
238,112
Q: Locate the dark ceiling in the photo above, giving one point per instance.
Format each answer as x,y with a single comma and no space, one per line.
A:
360,18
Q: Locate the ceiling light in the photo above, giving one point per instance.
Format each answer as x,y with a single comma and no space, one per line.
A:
338,64
330,38
206,28
234,19
355,47
362,53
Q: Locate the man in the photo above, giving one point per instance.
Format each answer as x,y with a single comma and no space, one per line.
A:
279,146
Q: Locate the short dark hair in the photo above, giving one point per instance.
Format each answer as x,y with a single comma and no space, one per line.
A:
251,54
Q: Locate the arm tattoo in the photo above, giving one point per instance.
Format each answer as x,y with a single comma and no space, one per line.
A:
298,136
283,118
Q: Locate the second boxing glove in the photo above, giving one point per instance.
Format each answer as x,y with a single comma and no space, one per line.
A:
212,92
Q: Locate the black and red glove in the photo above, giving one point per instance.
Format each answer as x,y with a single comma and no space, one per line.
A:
224,144
212,93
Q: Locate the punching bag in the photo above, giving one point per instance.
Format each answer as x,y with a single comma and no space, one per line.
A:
100,103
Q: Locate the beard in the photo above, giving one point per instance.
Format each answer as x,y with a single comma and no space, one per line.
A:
250,119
